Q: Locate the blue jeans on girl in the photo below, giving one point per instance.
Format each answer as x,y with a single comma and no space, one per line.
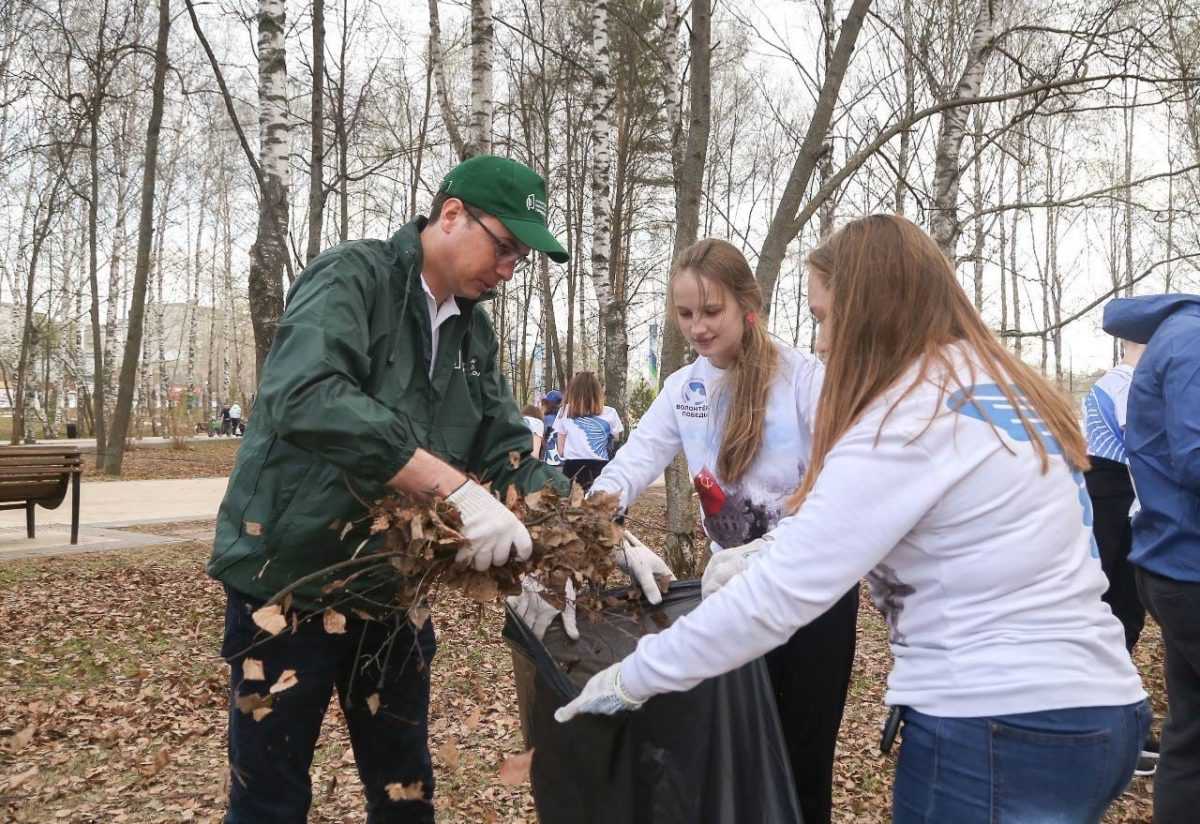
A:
1064,766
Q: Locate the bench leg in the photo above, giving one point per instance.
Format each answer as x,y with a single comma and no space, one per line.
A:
29,530
75,507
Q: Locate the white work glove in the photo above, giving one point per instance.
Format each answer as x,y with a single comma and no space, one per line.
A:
538,613
492,532
602,695
639,562
727,564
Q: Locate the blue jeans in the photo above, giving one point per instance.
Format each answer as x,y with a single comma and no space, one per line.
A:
1062,766
269,758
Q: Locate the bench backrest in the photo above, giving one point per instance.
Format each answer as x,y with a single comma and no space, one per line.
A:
36,472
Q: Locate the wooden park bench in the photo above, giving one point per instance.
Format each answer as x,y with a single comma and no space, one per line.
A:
40,475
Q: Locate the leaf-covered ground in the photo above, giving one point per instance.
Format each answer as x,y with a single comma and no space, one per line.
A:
196,459
113,701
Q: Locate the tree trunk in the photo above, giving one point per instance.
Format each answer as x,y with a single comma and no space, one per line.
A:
316,163
786,222
611,306
268,255
909,68
133,341
944,225
436,64
483,45
683,557
94,283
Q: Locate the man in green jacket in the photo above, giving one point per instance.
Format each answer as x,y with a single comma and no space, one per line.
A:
384,375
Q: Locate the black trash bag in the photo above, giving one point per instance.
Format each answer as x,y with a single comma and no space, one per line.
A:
714,754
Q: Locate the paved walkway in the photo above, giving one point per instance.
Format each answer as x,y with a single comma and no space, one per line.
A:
104,505
89,444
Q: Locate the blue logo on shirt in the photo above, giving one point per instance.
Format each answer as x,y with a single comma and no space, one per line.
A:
987,403
694,393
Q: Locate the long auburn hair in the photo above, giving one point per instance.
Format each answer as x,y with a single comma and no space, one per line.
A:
585,396
754,367
895,302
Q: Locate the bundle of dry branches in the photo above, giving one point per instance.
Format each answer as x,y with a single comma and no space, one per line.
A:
573,538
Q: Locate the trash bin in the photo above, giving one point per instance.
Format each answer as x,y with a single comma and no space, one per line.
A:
714,753
72,429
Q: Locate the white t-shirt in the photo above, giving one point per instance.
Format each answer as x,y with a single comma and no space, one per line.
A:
984,567
689,415
536,425
587,437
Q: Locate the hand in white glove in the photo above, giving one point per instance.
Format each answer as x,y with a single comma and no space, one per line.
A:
727,564
602,695
639,562
538,613
492,532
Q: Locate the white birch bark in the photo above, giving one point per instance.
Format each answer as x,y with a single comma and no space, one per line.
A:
438,69
671,94
611,305
268,255
944,224
483,47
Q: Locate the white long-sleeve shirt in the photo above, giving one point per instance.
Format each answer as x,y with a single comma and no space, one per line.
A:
985,568
689,416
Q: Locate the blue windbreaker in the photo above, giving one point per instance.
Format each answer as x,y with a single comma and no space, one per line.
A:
1162,429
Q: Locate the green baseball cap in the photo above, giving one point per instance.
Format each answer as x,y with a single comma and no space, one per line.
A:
512,193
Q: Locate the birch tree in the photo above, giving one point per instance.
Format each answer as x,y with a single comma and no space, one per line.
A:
269,254
944,223
688,167
133,341
612,314
483,45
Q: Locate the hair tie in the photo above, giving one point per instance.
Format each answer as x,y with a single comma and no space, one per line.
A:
751,317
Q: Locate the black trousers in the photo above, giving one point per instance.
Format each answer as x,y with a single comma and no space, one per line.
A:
1111,492
811,674
583,473
381,673
1175,605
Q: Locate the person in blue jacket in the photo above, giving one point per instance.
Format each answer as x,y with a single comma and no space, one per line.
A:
1162,437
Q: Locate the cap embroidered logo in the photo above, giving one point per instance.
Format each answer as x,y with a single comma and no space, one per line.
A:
533,204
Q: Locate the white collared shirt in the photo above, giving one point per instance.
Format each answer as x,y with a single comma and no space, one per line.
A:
437,316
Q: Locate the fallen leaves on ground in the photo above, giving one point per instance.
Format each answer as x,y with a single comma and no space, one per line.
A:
113,702
198,459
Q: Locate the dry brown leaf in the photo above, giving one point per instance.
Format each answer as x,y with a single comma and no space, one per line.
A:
253,528
514,458
270,618
161,759
251,701
472,720
252,670
287,680
406,792
259,713
512,496
449,754
20,778
418,615
21,740
335,622
373,703
515,769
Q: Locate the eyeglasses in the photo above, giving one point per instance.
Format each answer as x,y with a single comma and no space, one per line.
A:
505,253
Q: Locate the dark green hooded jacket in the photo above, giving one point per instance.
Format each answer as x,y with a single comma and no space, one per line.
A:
344,401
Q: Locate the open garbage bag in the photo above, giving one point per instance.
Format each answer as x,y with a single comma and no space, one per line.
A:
714,754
